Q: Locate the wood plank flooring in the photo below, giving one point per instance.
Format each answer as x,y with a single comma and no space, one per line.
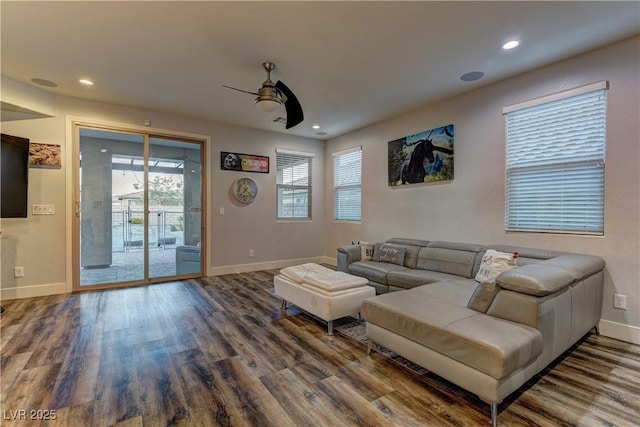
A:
219,351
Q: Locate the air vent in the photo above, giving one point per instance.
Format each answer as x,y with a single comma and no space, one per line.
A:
280,119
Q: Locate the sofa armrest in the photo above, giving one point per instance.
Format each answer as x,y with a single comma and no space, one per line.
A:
483,296
347,255
534,279
550,276
577,265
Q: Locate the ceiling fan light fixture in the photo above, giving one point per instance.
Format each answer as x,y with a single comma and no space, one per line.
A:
271,96
268,105
268,99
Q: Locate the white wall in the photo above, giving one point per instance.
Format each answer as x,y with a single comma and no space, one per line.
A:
40,243
471,207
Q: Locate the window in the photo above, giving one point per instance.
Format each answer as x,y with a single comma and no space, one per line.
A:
293,184
347,180
555,162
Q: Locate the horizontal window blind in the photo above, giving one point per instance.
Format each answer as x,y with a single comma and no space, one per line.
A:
293,182
347,182
555,165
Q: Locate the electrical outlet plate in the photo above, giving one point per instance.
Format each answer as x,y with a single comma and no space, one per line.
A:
18,272
620,301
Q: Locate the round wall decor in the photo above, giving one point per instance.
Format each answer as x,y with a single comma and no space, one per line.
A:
245,190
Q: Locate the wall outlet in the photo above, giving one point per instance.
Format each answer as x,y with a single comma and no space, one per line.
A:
221,211
620,301
251,253
18,272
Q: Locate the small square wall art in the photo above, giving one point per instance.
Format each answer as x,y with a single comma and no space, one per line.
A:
45,156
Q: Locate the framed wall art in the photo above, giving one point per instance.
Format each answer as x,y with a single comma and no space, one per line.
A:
244,162
423,157
45,156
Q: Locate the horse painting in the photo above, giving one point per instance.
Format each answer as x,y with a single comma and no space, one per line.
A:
422,160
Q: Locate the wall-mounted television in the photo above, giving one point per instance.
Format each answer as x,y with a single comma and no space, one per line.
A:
14,175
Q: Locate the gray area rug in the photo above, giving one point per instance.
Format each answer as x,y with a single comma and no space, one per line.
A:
357,331
350,327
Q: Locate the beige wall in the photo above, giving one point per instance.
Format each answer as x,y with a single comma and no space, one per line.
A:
40,243
471,207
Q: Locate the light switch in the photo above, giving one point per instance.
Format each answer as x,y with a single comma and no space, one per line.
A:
221,211
42,210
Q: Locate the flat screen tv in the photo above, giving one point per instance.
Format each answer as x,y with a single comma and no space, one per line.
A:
14,155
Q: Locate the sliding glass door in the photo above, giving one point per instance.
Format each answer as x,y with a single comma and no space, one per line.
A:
174,215
138,203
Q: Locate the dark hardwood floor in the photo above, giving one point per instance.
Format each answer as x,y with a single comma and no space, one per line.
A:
219,351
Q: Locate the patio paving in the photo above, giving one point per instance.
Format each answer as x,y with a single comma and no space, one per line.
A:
128,266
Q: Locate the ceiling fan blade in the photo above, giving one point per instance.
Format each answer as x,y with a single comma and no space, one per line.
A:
240,90
291,104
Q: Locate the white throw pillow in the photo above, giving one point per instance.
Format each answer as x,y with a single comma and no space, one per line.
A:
494,263
366,251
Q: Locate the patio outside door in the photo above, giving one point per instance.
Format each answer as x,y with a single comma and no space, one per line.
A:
138,208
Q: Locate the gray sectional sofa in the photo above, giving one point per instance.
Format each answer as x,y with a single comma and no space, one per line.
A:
487,337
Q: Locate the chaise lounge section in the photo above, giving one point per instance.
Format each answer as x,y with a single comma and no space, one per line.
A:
488,336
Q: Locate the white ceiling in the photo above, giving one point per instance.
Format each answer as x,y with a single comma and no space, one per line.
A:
349,63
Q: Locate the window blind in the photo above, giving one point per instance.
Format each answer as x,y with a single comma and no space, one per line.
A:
347,182
293,182
555,165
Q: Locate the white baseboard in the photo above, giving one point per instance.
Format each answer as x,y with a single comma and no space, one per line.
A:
61,288
271,265
620,331
33,291
330,261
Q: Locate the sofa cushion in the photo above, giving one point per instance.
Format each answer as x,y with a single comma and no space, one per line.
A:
387,252
408,241
407,279
449,257
373,271
457,292
494,346
527,256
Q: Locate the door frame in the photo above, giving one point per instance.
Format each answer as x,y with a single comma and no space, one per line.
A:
72,187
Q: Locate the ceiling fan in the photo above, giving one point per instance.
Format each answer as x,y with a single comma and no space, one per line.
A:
270,96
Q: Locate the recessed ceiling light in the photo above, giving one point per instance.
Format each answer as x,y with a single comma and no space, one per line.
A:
316,126
472,76
43,82
86,82
103,150
510,44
